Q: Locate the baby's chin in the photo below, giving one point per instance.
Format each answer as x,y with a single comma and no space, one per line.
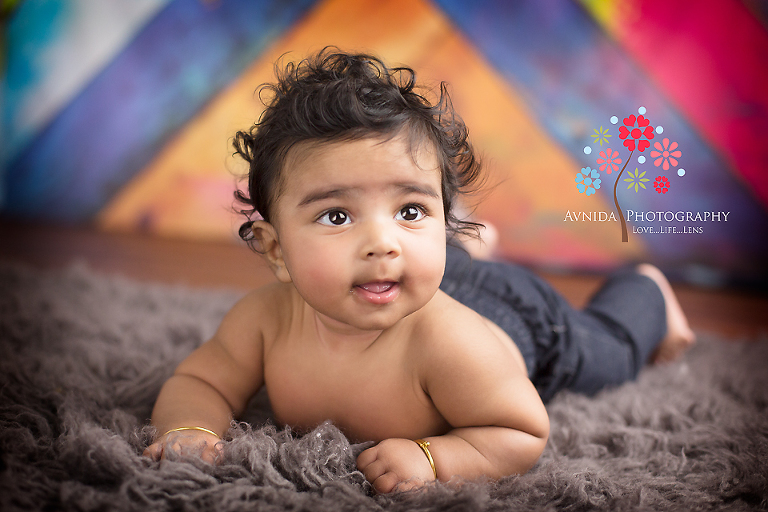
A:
378,317
372,323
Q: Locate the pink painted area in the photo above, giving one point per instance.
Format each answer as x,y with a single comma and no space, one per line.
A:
711,58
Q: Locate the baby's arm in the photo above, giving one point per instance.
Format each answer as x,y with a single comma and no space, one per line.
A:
500,424
212,385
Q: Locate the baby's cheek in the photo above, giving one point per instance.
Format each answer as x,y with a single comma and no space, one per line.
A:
323,278
428,271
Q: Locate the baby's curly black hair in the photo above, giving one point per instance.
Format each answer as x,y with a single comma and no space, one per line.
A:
335,96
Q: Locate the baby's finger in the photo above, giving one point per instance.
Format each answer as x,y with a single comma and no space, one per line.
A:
374,470
386,483
212,453
154,451
367,457
409,485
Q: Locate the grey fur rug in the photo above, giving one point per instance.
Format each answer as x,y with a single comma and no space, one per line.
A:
82,357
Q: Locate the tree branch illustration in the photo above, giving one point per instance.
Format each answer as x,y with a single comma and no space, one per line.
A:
624,237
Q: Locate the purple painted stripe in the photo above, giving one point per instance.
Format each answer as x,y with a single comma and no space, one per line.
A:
176,63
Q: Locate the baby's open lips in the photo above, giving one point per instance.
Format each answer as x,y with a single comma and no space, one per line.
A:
377,287
378,292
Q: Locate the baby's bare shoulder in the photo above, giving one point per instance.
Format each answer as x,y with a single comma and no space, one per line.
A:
260,313
462,356
455,334
271,298
447,329
448,319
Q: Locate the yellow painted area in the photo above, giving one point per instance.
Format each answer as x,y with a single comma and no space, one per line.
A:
187,190
613,14
604,11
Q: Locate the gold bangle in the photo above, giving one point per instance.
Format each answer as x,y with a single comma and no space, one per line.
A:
424,445
201,429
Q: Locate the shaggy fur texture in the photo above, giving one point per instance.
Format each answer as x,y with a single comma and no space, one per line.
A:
82,358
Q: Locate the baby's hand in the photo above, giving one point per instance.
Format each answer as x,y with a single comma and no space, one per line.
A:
395,464
186,443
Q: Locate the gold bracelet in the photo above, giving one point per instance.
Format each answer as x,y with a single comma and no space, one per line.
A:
424,445
201,429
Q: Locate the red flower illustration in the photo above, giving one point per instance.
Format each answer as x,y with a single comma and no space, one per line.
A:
666,154
610,161
643,129
661,184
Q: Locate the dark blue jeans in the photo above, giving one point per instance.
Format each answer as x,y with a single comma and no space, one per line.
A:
586,350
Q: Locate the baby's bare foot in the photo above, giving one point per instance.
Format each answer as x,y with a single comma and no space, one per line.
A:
679,337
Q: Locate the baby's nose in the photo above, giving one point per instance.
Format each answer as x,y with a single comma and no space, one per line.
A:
380,241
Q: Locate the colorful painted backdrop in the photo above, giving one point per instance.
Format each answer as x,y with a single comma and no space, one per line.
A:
589,115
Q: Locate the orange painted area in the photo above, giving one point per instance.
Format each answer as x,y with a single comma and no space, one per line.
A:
531,180
186,190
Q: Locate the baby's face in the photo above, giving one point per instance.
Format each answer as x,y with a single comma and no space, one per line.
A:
362,229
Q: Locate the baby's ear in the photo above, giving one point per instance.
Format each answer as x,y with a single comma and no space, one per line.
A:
266,235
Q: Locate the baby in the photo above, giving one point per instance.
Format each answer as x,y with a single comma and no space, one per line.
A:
379,321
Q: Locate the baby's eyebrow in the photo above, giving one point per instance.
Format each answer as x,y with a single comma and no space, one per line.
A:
321,195
403,188
413,188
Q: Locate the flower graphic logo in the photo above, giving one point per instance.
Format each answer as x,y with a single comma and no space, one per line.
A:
661,184
587,181
639,129
610,161
637,133
667,154
601,135
636,179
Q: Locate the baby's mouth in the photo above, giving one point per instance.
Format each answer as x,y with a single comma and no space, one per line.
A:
378,292
377,287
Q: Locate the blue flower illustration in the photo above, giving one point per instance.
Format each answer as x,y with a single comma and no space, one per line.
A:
588,181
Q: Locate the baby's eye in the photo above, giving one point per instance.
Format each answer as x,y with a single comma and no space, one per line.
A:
334,218
410,213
